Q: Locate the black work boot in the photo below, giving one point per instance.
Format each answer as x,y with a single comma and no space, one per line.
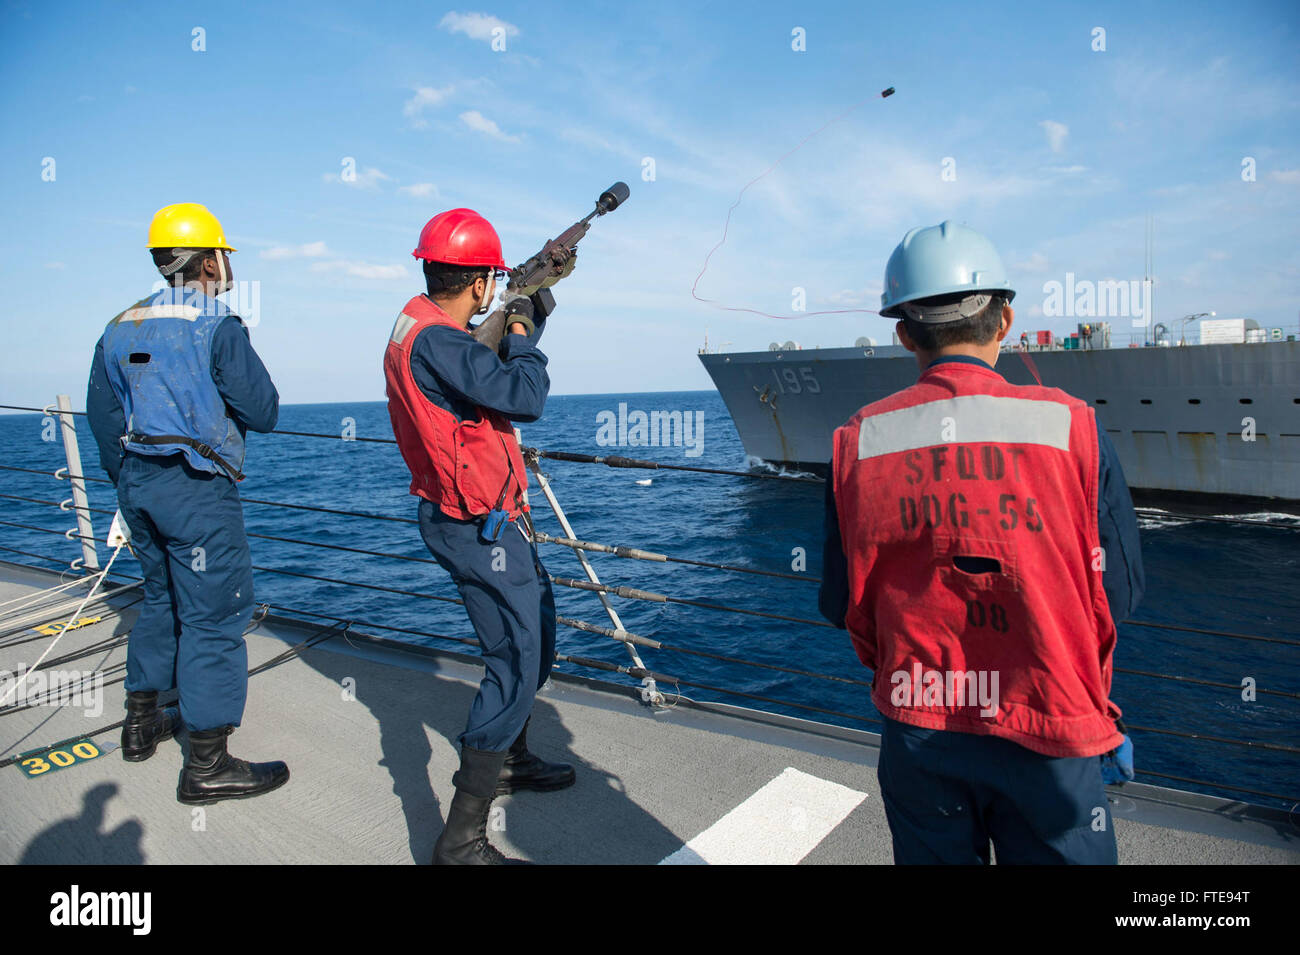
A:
464,839
525,770
211,773
146,726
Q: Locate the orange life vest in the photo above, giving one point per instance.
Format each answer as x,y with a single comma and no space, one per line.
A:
968,514
462,466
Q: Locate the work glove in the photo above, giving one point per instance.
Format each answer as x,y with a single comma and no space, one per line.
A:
519,308
1117,765
561,270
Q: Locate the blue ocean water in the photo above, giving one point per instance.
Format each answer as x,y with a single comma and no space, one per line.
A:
1208,575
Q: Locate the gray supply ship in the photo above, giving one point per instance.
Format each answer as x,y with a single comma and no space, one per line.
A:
1207,419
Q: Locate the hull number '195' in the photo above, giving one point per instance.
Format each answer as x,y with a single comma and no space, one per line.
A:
797,380
61,758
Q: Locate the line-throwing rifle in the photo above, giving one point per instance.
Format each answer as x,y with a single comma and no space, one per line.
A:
530,283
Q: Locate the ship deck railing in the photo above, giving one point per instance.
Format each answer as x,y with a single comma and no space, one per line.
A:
658,692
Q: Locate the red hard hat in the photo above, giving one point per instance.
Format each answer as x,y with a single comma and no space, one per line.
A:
460,237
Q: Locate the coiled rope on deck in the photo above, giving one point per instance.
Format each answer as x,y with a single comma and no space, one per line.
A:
98,579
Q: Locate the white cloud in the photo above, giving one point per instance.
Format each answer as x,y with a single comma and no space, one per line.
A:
420,190
476,26
477,121
425,97
363,270
1285,175
311,250
590,139
1036,263
368,178
1056,133
1181,94
58,266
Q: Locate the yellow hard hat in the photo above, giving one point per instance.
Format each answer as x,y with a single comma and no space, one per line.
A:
186,225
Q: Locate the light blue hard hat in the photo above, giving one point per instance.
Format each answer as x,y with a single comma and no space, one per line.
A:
941,260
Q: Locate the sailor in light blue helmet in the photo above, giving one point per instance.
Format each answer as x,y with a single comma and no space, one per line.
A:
920,558
943,260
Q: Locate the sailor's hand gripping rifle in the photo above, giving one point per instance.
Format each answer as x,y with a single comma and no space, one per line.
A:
528,291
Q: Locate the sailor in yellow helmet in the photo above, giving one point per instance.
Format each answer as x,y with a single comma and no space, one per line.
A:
174,386
189,225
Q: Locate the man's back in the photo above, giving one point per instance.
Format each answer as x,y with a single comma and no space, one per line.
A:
973,507
965,520
179,362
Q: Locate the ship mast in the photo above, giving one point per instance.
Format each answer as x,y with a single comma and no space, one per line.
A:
1148,279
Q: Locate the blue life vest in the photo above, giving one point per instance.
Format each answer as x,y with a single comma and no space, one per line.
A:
158,355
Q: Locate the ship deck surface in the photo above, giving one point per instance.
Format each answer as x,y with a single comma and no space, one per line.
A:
371,776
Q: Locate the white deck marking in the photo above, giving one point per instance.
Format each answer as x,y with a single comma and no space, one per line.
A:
778,825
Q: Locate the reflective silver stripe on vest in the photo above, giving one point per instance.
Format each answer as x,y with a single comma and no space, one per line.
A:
403,325
969,419
188,312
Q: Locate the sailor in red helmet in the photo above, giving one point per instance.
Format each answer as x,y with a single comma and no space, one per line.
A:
981,542
452,401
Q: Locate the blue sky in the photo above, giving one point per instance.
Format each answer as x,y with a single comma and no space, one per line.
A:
1060,153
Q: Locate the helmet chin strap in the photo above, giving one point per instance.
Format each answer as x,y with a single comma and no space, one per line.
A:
223,280
486,300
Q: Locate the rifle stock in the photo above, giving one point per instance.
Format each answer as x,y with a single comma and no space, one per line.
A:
491,330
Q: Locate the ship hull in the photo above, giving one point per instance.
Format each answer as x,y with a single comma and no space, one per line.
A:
1202,419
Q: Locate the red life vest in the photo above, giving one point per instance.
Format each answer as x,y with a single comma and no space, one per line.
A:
462,466
964,465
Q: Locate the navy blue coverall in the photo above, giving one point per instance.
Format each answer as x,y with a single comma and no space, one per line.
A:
187,529
506,590
947,794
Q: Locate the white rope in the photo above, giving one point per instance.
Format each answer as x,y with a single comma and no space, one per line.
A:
32,617
19,683
28,599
